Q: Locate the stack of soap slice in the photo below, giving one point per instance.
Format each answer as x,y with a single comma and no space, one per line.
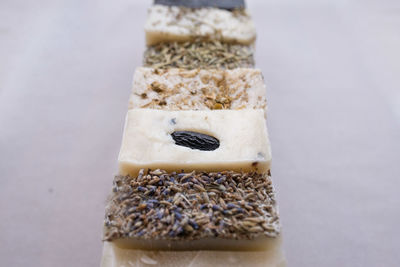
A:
194,185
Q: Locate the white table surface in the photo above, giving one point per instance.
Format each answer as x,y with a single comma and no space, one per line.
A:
333,75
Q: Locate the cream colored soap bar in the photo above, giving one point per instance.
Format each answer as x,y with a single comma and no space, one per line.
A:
148,143
183,24
179,89
114,256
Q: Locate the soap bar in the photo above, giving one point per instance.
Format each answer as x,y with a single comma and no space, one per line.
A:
179,89
224,4
226,210
114,256
148,142
174,23
199,54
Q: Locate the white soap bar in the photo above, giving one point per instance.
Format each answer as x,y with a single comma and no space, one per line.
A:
182,24
114,256
179,89
147,141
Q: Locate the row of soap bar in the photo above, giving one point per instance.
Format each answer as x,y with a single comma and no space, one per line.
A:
194,165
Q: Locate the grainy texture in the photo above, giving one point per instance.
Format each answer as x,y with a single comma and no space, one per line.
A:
174,23
188,206
178,89
201,54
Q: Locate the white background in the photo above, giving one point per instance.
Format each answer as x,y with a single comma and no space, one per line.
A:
333,74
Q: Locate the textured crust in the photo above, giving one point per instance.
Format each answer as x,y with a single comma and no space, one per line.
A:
166,24
199,54
161,206
178,89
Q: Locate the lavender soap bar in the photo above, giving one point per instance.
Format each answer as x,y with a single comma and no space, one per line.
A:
159,210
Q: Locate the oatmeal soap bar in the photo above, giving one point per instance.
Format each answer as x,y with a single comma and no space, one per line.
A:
194,140
173,23
159,210
179,89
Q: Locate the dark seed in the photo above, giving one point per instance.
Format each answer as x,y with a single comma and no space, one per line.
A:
195,140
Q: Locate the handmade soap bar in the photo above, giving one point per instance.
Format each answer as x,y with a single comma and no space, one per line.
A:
179,89
224,4
174,23
226,210
148,141
199,54
114,256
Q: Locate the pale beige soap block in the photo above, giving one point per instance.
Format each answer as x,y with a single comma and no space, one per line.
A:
147,141
180,89
183,24
114,256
